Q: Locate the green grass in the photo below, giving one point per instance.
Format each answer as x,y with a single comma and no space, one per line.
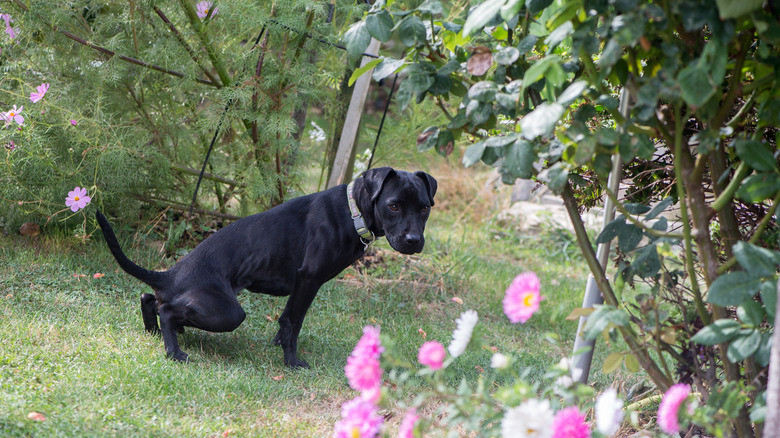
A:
74,349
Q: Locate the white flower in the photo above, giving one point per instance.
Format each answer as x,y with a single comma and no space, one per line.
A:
499,361
609,412
316,133
462,334
532,419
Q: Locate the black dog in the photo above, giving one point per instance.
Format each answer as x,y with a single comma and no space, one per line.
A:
291,249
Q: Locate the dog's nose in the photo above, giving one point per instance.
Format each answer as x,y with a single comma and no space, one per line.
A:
412,239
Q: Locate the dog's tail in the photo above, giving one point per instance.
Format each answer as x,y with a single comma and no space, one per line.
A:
156,280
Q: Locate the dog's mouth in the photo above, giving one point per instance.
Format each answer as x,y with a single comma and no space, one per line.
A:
404,247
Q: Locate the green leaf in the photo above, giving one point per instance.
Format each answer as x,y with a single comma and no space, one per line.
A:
506,56
599,320
357,39
759,187
611,230
751,313
758,261
386,67
411,30
481,15
629,237
419,79
541,121
511,9
743,346
538,69
519,160
559,34
555,177
769,297
733,289
527,44
362,70
572,92
755,154
483,91
659,208
380,25
632,363
536,6
733,9
695,85
611,54
764,349
431,7
612,363
473,154
646,264
718,332
634,208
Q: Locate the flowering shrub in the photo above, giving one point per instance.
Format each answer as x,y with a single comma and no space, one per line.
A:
520,409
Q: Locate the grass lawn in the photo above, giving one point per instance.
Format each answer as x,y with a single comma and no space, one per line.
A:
73,347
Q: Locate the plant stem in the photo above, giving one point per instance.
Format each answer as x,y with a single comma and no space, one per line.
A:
662,381
200,31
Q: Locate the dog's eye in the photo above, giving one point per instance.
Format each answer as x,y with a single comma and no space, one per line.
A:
393,207
426,209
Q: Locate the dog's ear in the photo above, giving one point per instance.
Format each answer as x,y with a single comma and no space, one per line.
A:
374,179
430,183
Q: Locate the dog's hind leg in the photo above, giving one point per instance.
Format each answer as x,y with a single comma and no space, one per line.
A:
207,310
149,313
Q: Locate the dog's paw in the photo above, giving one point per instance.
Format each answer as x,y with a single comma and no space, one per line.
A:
179,356
296,363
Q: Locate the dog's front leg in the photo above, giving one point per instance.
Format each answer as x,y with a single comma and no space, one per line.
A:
291,320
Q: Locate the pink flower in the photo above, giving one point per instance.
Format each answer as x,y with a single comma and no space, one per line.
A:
369,344
8,29
570,423
363,372
73,122
203,8
407,425
77,199
522,298
42,89
432,354
359,418
14,115
668,410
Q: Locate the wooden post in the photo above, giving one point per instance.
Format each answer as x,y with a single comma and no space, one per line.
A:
342,165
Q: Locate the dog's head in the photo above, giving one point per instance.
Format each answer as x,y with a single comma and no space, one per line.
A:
400,204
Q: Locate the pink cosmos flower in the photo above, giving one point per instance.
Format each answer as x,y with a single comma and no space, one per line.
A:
522,298
432,354
369,344
42,89
359,418
363,372
14,115
203,8
73,122
407,425
77,199
570,423
668,410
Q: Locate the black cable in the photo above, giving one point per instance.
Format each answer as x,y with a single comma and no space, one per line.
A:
382,122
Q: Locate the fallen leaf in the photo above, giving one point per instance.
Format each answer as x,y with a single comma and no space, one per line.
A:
457,300
36,416
278,378
98,275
